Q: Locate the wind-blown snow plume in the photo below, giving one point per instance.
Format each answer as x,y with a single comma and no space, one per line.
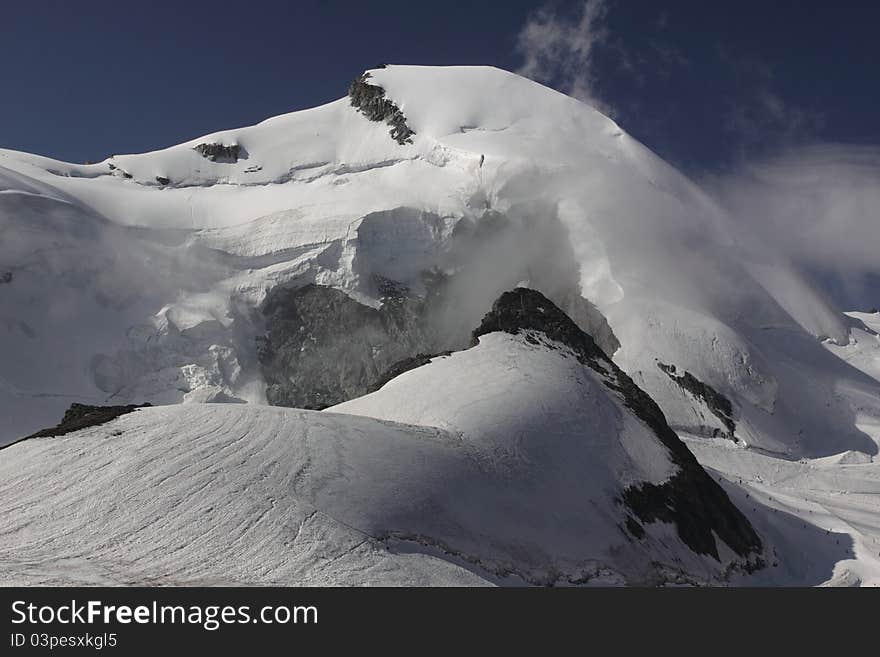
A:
818,206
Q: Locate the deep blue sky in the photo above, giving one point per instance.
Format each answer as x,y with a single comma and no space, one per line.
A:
701,83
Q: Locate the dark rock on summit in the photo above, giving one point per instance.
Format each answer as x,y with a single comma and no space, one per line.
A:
523,309
219,152
162,180
691,500
370,100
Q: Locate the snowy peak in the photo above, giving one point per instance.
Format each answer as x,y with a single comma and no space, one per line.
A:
524,309
444,100
535,389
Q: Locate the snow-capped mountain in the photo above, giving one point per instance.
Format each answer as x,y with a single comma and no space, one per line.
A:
300,261
529,458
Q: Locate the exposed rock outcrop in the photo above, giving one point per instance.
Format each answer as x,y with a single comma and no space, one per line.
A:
718,404
691,500
370,100
322,347
219,152
6,277
81,416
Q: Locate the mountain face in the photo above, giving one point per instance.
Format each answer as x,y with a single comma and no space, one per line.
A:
334,252
126,288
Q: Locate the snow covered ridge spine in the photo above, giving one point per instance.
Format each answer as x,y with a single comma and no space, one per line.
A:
370,100
690,499
81,416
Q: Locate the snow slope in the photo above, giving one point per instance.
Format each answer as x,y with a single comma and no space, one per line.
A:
819,514
212,495
863,349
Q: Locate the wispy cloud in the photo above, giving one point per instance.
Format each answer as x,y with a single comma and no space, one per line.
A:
817,206
764,116
560,50
577,52
756,115
820,207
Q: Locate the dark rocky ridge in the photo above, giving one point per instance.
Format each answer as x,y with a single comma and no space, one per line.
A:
81,416
691,499
219,152
718,404
370,100
404,366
